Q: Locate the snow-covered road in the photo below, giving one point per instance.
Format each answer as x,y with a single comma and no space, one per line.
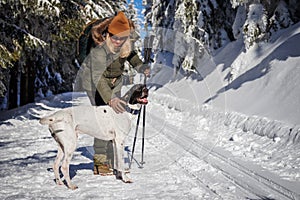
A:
224,175
187,157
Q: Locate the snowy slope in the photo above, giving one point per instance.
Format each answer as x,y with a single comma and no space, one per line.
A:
261,83
267,80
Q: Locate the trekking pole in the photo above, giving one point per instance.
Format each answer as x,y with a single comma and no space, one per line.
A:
135,136
147,55
143,133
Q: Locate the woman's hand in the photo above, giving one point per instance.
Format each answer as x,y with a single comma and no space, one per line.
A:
117,105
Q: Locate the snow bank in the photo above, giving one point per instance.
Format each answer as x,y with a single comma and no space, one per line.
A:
262,126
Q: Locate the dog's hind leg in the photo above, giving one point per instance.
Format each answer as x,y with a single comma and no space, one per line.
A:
67,141
56,165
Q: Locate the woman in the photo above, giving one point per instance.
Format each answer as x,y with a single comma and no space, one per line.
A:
102,77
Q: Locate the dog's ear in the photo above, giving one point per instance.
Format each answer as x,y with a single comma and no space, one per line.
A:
125,97
137,87
130,92
47,120
133,93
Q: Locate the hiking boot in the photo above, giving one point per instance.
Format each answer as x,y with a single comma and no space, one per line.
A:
102,166
103,170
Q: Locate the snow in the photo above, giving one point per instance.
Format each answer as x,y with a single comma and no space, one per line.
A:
206,138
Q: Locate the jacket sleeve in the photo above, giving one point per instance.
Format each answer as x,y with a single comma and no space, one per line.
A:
97,64
135,61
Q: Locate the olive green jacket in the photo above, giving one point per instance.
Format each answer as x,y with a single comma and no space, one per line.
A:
102,70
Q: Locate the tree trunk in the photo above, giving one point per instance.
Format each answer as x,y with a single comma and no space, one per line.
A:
13,89
27,84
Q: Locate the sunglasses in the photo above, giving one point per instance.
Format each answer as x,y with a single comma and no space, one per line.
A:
114,37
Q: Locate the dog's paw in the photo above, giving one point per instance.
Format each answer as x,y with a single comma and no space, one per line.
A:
59,182
126,179
123,176
73,187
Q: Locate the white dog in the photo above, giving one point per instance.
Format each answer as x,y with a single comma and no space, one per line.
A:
100,122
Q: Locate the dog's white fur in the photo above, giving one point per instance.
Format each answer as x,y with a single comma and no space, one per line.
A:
100,122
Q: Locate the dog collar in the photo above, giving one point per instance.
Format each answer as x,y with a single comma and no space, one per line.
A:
53,132
132,110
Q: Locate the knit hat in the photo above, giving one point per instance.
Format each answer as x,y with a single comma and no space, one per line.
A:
119,25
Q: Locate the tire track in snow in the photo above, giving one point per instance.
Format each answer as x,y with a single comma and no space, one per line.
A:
169,156
187,162
243,177
269,186
210,190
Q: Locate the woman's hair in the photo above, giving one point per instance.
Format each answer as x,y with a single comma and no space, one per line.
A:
124,50
100,30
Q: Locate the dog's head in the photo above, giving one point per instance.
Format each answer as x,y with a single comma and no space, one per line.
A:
137,95
57,117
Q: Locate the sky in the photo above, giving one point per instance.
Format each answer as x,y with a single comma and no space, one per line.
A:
139,6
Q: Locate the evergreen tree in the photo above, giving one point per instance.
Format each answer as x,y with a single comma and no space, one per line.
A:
255,27
210,24
38,45
281,17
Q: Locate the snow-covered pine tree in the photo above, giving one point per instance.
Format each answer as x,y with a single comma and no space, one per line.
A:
132,14
23,35
185,22
38,45
255,27
193,24
214,23
281,17
263,17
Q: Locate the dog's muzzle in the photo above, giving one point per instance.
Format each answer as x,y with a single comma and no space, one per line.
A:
143,99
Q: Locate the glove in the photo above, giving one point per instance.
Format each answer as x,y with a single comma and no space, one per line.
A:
147,72
116,105
145,69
